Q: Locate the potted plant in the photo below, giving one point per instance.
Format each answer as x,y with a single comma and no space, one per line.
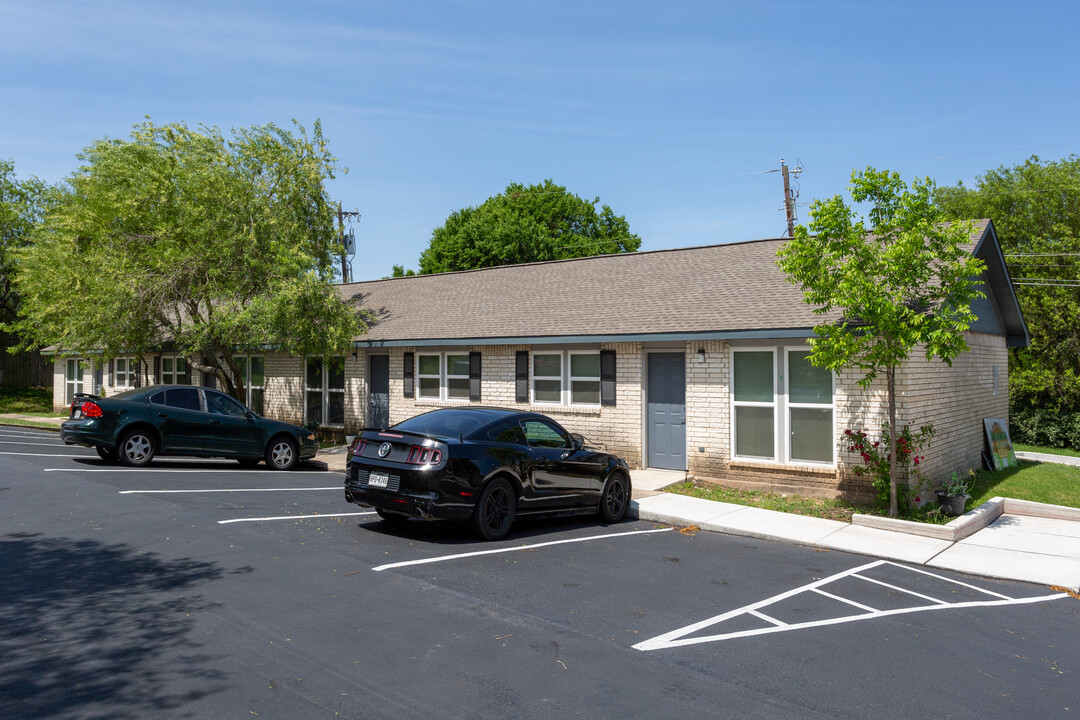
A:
953,494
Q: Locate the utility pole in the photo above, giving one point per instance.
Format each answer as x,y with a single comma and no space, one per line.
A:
341,216
789,197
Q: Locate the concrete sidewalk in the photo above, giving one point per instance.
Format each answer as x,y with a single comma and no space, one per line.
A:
1008,539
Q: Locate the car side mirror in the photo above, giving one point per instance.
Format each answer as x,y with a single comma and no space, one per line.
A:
576,442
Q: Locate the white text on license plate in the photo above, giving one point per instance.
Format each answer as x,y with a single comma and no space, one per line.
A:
378,479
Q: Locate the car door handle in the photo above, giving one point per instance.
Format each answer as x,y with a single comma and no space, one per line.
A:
163,415
215,422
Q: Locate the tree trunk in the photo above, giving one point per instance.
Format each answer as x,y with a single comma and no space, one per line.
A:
890,376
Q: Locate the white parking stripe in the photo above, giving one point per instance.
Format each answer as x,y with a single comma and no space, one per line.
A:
216,490
52,455
24,443
234,471
442,558
293,517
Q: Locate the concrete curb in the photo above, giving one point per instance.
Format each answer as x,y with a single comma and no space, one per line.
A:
28,426
964,526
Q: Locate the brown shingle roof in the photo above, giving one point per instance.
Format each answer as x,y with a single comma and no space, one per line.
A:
732,288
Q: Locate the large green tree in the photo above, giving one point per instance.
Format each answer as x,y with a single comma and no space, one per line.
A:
182,238
1035,207
526,224
899,281
22,203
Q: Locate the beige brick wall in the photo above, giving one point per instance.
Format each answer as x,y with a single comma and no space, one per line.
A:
618,428
708,412
956,399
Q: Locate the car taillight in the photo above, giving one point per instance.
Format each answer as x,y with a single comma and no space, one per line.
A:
358,447
91,410
423,456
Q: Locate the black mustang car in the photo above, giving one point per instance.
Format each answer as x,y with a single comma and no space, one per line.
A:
484,465
134,426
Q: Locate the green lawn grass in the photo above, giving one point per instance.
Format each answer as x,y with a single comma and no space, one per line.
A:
26,401
1041,449
1039,482
795,504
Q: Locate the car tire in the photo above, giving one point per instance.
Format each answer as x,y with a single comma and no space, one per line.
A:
106,454
494,513
615,500
136,448
392,518
282,454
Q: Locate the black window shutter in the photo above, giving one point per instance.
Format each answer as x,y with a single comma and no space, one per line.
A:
474,376
607,377
408,375
138,371
111,376
186,378
521,376
157,369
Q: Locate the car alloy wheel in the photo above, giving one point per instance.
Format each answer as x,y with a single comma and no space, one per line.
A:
615,499
494,513
281,454
136,448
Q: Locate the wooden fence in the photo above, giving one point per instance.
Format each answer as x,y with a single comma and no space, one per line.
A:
25,369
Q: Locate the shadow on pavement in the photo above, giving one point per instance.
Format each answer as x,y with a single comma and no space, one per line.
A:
93,630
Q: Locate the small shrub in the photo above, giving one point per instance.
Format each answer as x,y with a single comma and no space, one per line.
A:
875,456
1047,428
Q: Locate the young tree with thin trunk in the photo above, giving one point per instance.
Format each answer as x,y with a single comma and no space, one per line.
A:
901,281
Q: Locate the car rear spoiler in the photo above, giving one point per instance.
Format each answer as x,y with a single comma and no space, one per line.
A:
88,395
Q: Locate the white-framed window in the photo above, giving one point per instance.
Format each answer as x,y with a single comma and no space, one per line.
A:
811,432
429,372
570,377
252,375
74,371
173,369
765,408
753,400
547,381
443,376
124,371
584,378
324,390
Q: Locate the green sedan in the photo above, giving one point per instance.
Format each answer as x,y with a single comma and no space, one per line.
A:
133,427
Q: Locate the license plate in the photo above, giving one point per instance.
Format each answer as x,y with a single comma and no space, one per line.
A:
77,415
378,479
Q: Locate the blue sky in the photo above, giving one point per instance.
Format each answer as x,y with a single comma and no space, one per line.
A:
669,112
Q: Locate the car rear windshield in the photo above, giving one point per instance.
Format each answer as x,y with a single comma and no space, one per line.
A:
445,423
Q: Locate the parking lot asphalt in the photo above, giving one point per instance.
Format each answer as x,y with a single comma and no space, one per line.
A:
200,589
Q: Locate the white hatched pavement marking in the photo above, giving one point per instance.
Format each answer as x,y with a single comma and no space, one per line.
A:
867,608
678,638
292,517
217,490
516,548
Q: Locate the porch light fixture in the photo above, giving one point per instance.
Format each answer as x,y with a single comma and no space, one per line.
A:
701,355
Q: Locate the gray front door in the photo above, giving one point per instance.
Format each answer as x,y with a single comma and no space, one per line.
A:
379,398
667,410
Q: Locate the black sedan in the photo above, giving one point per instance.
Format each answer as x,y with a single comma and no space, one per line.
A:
484,465
134,426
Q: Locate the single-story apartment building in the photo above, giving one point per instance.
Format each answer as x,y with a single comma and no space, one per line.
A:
690,359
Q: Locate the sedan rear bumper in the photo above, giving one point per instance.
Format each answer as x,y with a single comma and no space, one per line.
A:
414,503
87,433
